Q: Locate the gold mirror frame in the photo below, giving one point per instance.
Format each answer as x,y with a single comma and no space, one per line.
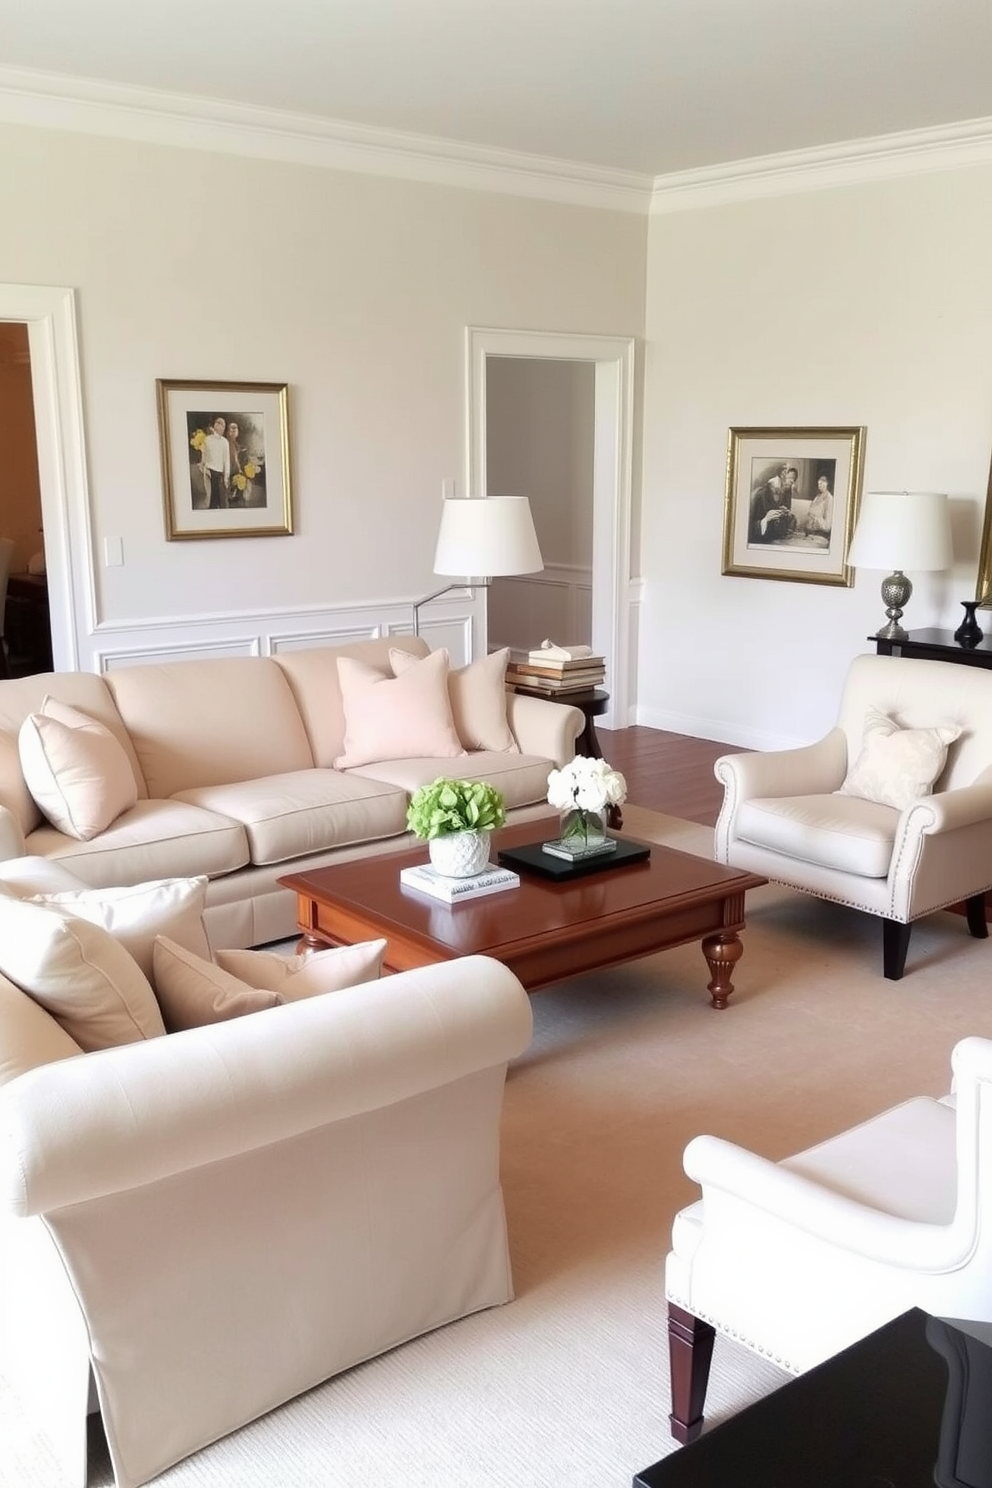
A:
983,588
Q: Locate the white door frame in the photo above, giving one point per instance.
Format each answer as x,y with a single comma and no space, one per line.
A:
50,314
612,463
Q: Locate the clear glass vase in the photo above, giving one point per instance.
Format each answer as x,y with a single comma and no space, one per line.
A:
583,831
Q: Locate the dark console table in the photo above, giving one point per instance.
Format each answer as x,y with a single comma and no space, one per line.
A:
909,1406
937,645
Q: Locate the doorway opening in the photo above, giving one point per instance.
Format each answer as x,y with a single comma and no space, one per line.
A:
611,360
25,629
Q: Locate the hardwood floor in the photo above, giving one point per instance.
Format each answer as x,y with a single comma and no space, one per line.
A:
667,772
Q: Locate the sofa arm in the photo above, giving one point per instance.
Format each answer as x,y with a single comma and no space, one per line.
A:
543,727
724,1170
119,1118
12,844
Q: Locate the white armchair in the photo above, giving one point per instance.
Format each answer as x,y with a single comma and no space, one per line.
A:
799,1259
784,815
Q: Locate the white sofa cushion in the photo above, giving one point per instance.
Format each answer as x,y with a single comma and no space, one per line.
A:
842,832
77,971
134,916
75,769
155,839
307,975
897,766
289,816
522,779
388,718
193,992
477,694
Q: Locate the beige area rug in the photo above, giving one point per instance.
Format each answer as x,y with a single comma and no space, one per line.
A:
569,1383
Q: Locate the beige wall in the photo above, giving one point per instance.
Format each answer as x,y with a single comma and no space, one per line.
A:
857,305
356,290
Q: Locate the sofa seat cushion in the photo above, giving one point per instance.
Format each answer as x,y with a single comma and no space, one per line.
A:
842,832
307,811
522,779
155,839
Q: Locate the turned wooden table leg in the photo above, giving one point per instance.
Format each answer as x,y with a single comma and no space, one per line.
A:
722,953
690,1349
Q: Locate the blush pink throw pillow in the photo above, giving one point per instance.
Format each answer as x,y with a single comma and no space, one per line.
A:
389,718
477,694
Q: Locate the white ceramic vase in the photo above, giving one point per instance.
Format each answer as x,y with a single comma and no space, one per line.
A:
459,854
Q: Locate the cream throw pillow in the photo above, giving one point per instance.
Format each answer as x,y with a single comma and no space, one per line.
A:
477,694
135,915
192,991
77,772
389,718
296,977
79,973
897,766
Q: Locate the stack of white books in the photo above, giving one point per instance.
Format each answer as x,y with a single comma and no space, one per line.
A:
425,879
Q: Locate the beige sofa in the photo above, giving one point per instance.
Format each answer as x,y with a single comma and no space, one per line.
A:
197,1227
234,777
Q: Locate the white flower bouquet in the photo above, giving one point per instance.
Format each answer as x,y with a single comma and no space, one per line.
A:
582,791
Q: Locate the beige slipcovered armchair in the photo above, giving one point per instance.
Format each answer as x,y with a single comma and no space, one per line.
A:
800,1258
854,818
195,1228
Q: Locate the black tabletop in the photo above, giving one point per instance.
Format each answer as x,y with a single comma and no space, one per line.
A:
909,1406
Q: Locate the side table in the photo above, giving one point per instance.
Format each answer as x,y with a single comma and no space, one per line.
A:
593,703
937,645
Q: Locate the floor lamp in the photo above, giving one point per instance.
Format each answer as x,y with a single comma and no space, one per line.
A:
487,537
898,530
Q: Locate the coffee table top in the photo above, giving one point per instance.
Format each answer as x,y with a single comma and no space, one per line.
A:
540,909
909,1405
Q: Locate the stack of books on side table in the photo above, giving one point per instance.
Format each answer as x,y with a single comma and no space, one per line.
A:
555,671
425,879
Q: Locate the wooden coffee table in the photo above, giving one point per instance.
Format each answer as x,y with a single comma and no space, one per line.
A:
543,931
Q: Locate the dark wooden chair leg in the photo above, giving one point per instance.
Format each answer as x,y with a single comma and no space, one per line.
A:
974,909
895,944
690,1349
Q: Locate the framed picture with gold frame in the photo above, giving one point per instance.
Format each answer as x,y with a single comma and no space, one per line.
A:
791,503
225,459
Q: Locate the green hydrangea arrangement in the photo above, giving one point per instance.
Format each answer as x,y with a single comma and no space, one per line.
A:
448,806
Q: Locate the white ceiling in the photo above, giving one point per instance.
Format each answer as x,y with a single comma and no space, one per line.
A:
648,86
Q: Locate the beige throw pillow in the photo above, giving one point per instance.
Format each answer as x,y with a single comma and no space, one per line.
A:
135,916
192,991
897,766
296,977
77,772
477,694
79,973
390,718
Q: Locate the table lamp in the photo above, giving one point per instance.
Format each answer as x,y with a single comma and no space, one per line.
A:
487,537
899,530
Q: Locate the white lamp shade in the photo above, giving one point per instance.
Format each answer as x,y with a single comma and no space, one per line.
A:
487,537
903,530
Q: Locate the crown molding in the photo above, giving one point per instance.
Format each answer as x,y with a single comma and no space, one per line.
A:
83,105
882,157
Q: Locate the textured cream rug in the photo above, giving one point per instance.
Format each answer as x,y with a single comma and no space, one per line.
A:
569,1383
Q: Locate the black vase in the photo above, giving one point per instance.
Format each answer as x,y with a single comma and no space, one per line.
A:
969,632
